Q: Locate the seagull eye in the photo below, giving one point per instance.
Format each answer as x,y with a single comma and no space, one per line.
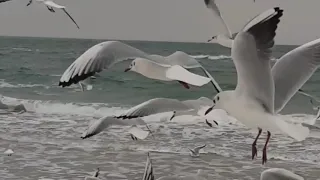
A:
214,101
218,98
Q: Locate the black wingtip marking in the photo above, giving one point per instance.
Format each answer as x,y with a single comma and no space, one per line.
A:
76,79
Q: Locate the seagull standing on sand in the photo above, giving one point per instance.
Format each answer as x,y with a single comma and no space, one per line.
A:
50,5
261,91
195,152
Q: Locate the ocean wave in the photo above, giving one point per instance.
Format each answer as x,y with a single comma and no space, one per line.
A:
22,49
203,56
4,84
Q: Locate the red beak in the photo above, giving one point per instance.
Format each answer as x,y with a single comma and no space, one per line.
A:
127,69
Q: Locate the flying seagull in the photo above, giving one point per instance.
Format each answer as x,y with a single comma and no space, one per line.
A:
50,5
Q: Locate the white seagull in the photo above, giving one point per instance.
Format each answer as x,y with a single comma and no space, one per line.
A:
99,125
195,152
261,91
225,40
8,152
211,4
157,71
279,174
106,54
50,5
95,175
153,106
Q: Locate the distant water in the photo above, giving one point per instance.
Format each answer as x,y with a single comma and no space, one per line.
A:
47,141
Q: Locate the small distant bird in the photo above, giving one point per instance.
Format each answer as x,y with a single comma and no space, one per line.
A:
95,175
195,152
8,152
50,5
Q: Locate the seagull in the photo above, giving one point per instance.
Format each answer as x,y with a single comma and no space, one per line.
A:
195,152
147,108
106,54
157,71
50,5
279,174
8,152
99,125
211,4
95,175
225,40
261,92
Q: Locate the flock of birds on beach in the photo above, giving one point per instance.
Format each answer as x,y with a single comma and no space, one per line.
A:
262,90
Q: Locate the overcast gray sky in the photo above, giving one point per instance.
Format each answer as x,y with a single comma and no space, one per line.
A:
164,20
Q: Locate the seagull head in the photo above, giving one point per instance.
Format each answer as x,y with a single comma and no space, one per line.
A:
137,65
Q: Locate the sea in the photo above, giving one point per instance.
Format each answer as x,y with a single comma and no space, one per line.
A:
46,139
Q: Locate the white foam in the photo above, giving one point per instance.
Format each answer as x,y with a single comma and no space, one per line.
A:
203,56
4,84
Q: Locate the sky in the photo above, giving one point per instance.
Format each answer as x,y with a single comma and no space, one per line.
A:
156,20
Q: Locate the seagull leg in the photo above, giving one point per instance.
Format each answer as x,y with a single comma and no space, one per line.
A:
254,148
264,156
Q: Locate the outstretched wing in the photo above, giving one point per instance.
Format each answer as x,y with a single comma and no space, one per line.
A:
154,106
100,56
197,149
54,5
148,171
292,71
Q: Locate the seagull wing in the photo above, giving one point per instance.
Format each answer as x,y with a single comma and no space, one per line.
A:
250,54
54,5
178,73
211,4
154,106
293,69
197,149
98,58
148,171
1,1
138,132
188,62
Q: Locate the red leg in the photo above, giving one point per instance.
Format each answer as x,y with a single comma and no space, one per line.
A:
254,148
264,156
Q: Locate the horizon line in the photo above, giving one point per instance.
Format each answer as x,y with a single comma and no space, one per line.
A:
61,37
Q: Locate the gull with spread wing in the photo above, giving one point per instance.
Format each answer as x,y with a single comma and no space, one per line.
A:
95,175
196,151
106,54
50,5
261,91
147,108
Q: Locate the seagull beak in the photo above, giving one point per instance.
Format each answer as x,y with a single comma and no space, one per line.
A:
126,70
209,110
